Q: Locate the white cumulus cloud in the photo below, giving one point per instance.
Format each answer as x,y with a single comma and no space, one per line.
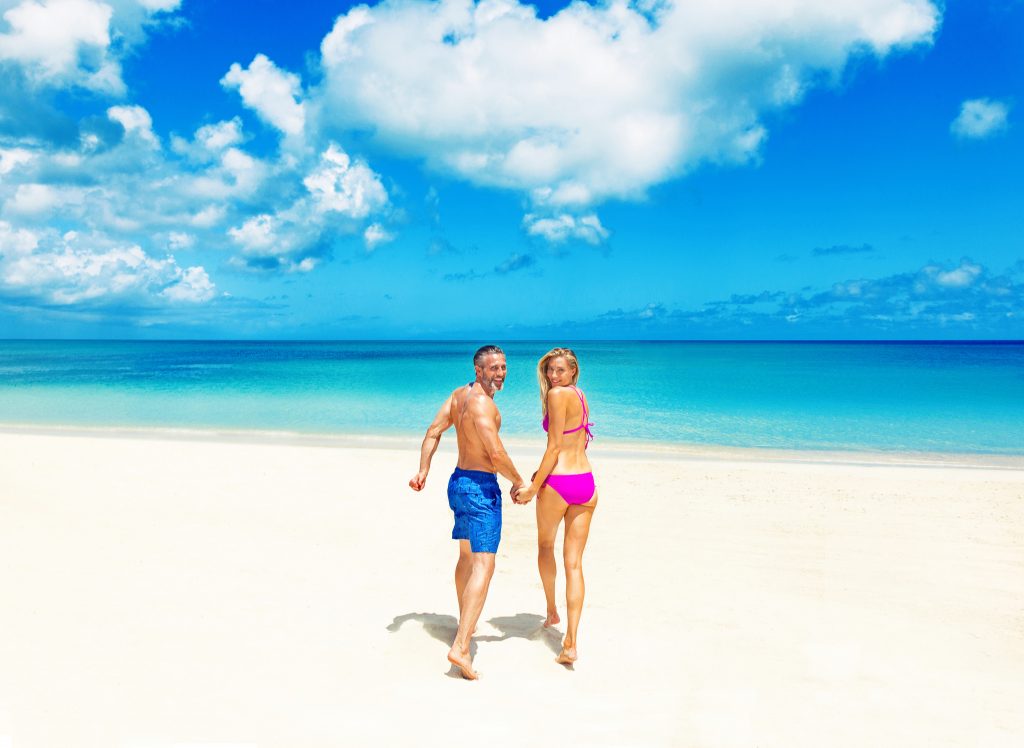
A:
180,240
340,194
271,92
208,217
598,101
160,5
77,43
274,243
961,277
136,121
191,284
375,235
62,41
256,235
66,271
32,199
221,135
345,186
12,158
210,142
238,174
564,226
16,241
980,118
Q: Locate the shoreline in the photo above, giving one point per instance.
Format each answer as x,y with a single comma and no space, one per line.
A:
614,448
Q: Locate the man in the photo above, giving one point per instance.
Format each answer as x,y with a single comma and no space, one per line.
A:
473,492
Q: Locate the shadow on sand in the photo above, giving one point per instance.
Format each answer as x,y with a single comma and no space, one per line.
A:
527,626
441,627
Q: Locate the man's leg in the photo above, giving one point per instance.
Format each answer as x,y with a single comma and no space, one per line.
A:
472,605
462,571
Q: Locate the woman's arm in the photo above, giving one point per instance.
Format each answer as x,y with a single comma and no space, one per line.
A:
558,401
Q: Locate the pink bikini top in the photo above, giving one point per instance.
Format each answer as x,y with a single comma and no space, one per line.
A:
584,425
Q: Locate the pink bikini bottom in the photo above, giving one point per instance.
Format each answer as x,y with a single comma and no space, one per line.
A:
574,488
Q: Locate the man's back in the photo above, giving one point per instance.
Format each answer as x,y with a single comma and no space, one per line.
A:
472,411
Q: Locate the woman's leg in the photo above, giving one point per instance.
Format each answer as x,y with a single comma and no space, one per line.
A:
577,529
550,510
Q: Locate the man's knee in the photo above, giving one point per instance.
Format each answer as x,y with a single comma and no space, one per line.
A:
483,562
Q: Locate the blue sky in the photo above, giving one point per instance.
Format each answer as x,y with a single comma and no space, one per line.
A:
737,169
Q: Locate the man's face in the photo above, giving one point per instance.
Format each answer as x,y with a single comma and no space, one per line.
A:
491,372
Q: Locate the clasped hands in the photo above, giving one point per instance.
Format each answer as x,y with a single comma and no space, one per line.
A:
522,494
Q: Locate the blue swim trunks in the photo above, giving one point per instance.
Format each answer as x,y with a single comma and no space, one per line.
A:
475,497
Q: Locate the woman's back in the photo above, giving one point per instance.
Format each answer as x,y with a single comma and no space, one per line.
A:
573,414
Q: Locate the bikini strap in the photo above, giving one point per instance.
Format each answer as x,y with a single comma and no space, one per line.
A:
583,403
585,424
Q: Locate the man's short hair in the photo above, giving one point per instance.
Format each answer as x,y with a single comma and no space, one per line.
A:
485,350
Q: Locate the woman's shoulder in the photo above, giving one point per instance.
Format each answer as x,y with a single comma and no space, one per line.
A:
559,394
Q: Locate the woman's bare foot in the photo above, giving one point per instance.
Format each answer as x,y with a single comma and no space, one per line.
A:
461,660
567,656
552,619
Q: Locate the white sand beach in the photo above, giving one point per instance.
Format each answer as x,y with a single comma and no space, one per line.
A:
167,592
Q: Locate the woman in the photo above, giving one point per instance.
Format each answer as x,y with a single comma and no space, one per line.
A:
564,487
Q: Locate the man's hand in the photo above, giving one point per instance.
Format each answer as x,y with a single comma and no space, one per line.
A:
419,480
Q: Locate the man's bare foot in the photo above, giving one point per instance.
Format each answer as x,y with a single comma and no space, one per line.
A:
461,660
552,619
567,656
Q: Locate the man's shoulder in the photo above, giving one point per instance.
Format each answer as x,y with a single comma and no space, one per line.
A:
481,403
462,389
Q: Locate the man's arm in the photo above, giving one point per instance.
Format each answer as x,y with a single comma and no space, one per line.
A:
483,411
441,423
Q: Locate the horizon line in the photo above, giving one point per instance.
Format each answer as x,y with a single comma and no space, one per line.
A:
958,341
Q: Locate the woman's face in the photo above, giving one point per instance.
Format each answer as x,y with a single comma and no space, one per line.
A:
558,372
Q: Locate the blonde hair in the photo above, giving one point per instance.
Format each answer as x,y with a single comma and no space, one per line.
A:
542,366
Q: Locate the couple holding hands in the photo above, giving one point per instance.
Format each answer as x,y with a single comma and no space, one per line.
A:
563,485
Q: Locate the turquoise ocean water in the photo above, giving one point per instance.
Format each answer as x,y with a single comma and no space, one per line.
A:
943,397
